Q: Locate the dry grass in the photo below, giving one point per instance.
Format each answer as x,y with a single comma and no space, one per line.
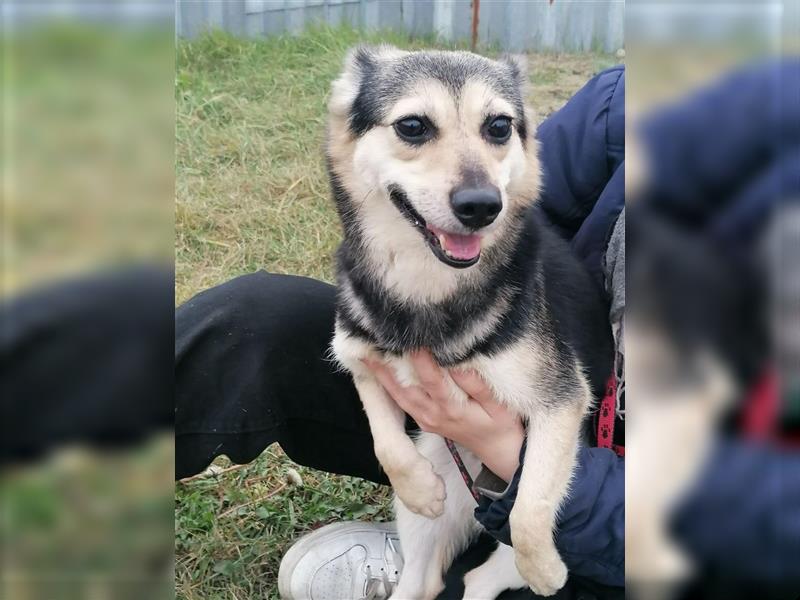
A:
252,194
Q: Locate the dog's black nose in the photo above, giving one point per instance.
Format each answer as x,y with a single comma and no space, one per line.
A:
476,207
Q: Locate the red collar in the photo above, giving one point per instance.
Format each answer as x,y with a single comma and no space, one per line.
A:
607,417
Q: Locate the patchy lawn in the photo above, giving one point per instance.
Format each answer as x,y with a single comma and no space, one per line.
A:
252,193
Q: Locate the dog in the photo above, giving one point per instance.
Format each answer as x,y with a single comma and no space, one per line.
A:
434,172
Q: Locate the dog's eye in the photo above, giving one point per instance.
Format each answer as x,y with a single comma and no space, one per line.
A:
498,130
412,129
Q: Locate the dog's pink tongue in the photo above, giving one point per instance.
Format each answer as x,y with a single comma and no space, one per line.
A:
462,247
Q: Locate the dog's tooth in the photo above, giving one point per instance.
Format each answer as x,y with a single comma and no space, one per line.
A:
441,241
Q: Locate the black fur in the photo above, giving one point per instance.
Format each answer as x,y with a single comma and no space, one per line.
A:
381,87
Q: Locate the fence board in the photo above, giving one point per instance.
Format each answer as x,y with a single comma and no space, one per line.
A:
513,25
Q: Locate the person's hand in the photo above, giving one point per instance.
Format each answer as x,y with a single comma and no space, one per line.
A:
491,431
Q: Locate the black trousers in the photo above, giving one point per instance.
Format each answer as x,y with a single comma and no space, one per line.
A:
252,368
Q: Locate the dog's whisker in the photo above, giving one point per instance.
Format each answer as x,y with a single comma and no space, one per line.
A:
364,199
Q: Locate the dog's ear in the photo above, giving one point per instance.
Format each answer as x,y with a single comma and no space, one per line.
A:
525,189
360,62
518,65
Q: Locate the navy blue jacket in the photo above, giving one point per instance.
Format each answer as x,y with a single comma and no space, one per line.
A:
583,162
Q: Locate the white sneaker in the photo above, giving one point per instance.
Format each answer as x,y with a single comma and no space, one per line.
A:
342,561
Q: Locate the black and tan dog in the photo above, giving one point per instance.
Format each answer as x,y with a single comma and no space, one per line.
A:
434,172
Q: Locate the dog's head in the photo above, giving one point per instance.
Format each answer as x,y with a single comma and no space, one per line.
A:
434,150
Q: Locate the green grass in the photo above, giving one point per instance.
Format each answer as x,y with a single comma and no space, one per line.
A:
252,193
231,530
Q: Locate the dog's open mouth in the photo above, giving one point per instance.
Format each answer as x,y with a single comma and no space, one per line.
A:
454,249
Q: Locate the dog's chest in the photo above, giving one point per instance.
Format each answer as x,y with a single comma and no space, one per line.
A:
453,330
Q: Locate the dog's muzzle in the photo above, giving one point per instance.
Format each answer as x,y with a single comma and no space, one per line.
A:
453,249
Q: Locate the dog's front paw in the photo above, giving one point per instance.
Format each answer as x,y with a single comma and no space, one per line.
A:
535,553
420,489
546,573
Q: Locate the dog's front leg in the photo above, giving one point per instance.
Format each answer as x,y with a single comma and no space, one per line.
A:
549,463
414,481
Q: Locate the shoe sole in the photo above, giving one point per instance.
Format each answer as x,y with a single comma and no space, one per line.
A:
300,548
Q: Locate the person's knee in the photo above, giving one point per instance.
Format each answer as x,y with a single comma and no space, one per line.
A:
287,302
264,304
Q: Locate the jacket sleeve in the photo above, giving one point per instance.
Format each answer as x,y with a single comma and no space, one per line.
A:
590,534
582,157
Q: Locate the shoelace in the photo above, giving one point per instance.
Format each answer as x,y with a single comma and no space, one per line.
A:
374,580
374,585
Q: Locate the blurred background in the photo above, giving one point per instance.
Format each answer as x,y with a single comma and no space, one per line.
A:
86,493
97,191
713,300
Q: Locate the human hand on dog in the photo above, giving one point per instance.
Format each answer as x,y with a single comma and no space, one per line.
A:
489,430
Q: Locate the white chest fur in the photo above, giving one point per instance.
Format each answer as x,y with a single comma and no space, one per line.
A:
519,375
